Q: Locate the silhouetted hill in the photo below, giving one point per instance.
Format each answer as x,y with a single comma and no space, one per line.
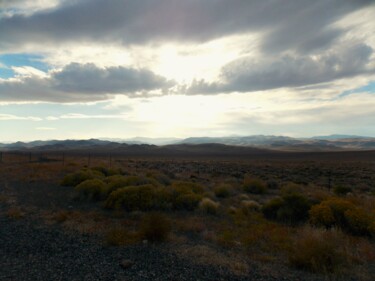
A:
257,143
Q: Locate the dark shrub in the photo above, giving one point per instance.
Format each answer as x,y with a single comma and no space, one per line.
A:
292,208
188,201
341,190
271,208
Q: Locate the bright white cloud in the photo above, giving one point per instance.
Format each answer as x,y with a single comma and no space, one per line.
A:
28,71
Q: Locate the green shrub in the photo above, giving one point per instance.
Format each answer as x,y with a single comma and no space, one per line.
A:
208,206
319,251
341,189
222,191
76,178
253,185
132,198
155,227
292,208
93,189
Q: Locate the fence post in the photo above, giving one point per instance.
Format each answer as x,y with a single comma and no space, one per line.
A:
329,180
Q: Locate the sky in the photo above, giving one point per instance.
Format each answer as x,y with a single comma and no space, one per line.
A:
79,69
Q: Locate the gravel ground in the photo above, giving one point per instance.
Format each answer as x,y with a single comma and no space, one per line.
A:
32,251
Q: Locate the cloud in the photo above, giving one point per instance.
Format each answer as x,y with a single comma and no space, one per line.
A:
247,74
45,128
9,117
27,71
285,24
85,116
88,78
82,82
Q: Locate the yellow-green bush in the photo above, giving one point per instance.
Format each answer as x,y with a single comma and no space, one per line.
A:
222,190
254,185
159,177
249,206
185,195
291,188
344,214
209,206
321,215
107,171
359,222
187,187
93,189
118,181
76,178
132,198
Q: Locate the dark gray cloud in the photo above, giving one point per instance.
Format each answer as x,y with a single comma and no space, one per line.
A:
88,78
298,24
246,75
82,82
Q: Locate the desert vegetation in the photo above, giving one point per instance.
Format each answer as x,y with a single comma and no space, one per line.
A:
285,215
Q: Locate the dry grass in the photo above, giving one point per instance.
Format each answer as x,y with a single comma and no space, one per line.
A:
320,251
191,224
155,227
120,236
15,213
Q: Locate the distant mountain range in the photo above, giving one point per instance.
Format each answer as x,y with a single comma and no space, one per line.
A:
283,143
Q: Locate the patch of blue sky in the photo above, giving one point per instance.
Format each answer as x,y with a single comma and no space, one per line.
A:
6,72
24,59
370,88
